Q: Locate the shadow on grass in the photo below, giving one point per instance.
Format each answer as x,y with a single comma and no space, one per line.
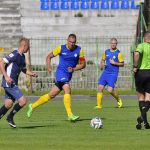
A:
87,119
116,107
34,127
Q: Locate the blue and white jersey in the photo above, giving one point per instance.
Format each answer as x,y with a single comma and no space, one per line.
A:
67,58
116,55
15,63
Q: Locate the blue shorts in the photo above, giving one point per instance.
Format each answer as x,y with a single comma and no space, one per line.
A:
108,79
62,76
13,93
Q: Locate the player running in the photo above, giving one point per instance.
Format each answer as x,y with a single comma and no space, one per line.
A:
112,59
71,58
11,66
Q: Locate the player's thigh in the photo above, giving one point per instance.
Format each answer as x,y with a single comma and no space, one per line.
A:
147,96
141,96
67,89
110,89
54,91
101,88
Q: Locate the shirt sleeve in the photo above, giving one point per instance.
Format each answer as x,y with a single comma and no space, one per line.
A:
81,55
139,48
9,58
56,51
104,56
120,57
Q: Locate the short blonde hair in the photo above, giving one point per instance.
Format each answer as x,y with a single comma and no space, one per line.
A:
24,39
113,39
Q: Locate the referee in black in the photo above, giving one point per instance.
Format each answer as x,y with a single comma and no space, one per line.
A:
141,69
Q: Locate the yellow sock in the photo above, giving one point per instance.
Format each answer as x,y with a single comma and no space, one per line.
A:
115,95
67,103
99,99
43,99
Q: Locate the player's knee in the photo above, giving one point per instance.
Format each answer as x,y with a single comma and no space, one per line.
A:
23,102
110,91
8,105
52,96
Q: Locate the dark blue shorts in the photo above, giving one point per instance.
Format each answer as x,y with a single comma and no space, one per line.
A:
108,79
13,93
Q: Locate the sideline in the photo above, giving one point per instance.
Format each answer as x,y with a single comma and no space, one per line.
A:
83,97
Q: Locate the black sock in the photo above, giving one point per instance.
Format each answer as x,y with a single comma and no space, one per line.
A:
3,111
144,107
15,109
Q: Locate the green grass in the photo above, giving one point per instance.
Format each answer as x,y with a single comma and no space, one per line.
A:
48,128
76,92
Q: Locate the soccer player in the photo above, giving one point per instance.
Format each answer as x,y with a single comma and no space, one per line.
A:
141,68
71,58
112,59
11,66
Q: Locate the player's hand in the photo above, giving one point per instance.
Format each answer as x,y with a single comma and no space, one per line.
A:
49,70
135,70
34,75
112,61
102,66
70,69
9,80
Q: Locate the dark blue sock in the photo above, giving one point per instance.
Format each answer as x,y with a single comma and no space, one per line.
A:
15,109
3,111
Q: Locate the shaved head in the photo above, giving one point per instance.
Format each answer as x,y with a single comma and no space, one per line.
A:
147,37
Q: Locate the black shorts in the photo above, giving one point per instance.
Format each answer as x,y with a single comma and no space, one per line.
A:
142,81
60,84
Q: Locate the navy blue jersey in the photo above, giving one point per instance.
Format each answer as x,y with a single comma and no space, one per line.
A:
15,63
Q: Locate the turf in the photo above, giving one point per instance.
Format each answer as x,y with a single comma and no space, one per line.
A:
48,128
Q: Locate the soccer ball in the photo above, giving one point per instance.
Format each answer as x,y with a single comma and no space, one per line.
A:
96,123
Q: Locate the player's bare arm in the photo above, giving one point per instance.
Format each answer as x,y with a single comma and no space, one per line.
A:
120,64
30,73
102,64
2,68
135,63
48,62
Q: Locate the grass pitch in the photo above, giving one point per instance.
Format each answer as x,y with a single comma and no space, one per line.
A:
48,128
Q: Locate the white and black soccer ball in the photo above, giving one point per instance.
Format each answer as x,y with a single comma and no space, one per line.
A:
96,123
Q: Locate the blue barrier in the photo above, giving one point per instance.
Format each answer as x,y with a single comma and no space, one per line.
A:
95,5
54,6
44,0
75,5
105,4
115,4
44,6
85,5
64,6
125,4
